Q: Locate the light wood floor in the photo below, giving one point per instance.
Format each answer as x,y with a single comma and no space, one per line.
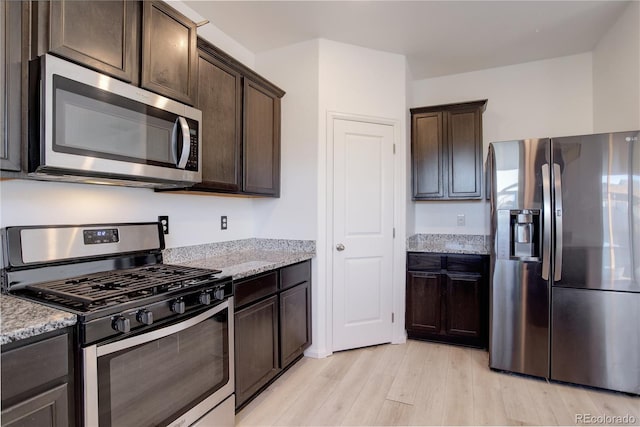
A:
422,383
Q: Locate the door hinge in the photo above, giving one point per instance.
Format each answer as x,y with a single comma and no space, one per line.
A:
394,148
393,316
394,232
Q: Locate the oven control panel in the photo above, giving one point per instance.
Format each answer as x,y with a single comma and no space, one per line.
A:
105,235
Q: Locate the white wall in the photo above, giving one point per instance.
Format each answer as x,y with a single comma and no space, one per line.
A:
192,219
295,214
553,97
363,82
616,75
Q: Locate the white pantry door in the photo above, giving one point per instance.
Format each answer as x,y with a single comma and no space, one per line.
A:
363,225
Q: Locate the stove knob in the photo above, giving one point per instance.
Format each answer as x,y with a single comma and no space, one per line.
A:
218,294
121,324
178,306
144,316
205,298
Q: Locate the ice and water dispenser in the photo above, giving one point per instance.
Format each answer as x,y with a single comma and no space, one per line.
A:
519,234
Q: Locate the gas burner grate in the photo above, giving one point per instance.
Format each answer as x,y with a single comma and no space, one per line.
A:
111,286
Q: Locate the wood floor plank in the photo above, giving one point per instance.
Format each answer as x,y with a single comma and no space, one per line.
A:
336,407
615,405
393,413
278,398
517,399
403,389
369,401
488,407
307,404
576,399
429,407
458,399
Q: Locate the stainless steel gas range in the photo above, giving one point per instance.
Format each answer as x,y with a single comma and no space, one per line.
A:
155,341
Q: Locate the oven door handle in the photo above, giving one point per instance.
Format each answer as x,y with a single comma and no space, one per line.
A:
103,350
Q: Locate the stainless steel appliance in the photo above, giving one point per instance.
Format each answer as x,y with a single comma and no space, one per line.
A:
155,341
565,259
88,127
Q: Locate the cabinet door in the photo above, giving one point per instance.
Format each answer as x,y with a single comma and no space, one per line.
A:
99,34
256,347
464,145
169,56
427,155
463,300
424,303
11,78
220,99
295,322
46,409
261,166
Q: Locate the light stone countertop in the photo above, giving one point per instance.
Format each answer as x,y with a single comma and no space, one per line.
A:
247,263
242,258
449,243
22,319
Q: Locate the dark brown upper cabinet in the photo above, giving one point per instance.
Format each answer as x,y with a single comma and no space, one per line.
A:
240,126
12,70
220,100
169,56
446,151
261,166
103,35
146,43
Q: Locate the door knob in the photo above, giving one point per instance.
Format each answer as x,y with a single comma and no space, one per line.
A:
340,247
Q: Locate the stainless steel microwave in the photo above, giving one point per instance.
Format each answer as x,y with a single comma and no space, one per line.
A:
87,127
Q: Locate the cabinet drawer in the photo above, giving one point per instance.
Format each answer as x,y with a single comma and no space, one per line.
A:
253,289
33,365
295,274
422,261
465,263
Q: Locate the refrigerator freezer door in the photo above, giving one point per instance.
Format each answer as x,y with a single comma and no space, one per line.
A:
595,338
600,176
519,329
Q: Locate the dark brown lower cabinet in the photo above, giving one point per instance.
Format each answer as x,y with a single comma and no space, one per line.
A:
37,381
295,318
272,326
256,347
447,298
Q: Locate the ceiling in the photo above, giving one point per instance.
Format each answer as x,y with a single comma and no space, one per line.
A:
437,37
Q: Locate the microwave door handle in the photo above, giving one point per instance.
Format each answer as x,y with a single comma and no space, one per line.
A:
184,129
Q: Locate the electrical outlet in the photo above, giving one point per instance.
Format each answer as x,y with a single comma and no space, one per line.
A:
164,220
461,220
223,222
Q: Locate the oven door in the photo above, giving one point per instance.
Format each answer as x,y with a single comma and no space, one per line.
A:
169,376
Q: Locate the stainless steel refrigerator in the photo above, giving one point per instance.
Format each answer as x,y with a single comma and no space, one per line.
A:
565,259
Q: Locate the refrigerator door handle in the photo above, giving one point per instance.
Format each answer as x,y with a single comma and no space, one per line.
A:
546,221
557,181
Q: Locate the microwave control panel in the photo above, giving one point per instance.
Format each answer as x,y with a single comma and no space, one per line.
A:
192,163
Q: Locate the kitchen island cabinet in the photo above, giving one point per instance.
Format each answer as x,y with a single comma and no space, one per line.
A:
37,381
272,326
447,298
446,151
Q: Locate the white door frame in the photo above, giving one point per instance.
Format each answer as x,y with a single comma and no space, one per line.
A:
399,220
